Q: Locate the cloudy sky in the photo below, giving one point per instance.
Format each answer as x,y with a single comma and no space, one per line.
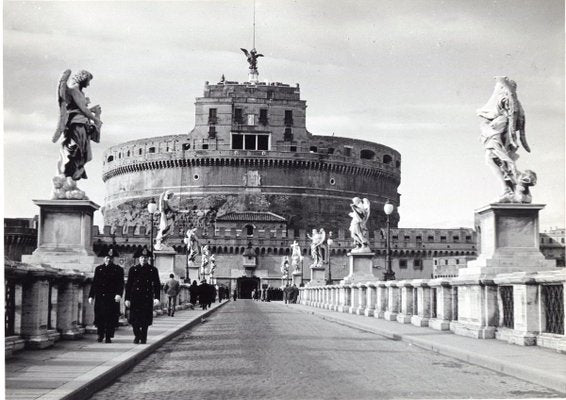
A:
408,74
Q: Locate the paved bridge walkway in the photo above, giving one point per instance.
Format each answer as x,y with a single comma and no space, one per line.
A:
253,350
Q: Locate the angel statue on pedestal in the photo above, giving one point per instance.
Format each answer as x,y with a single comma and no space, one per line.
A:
358,228
204,260
78,125
502,117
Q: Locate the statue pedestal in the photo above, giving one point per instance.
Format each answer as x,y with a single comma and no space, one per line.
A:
297,278
65,235
361,268
509,243
193,271
508,240
165,263
317,276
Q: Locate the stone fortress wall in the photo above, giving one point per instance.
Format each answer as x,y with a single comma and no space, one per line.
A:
250,151
413,250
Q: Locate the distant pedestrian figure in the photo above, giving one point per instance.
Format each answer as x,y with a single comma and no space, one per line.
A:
194,292
172,289
143,290
254,294
203,294
106,292
235,295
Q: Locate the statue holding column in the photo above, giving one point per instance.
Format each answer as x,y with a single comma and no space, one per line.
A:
212,265
358,229
78,124
166,220
192,242
317,240
502,119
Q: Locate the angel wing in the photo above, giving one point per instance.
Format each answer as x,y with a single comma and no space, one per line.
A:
366,208
245,52
259,55
521,128
63,100
322,236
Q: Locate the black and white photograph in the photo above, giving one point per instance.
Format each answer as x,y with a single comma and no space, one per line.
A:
282,199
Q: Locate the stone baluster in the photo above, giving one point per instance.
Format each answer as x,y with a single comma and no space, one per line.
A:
393,300
406,311
422,314
443,305
354,298
35,309
381,300
68,305
362,297
371,294
344,298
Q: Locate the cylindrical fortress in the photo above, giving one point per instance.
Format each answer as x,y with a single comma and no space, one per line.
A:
250,151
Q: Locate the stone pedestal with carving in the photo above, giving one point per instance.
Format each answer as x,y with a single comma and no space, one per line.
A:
509,243
165,263
361,268
317,276
65,235
193,271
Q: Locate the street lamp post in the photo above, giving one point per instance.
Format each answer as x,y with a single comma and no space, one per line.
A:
329,243
151,209
388,275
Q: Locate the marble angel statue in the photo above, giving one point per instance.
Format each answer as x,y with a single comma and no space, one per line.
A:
358,229
285,267
317,240
193,246
502,119
296,256
166,220
78,124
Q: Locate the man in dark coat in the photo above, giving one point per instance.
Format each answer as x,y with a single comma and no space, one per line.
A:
203,294
194,291
106,292
172,289
143,290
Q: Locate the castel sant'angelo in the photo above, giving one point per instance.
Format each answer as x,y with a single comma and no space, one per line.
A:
250,174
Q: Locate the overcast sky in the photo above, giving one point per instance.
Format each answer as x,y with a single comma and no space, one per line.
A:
407,74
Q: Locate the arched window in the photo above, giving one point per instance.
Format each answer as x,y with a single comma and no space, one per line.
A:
367,154
387,159
249,230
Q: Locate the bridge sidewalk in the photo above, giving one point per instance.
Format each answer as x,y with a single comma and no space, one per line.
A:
76,369
533,364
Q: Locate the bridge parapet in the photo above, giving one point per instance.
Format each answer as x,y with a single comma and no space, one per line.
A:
521,308
45,304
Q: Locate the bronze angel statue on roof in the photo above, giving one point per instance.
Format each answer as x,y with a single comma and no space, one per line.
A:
78,125
252,57
502,118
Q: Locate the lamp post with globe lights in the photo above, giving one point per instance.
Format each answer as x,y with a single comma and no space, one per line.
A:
151,209
388,275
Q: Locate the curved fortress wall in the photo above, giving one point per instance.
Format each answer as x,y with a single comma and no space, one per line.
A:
250,151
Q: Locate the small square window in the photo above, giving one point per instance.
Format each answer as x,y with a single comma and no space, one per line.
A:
402,263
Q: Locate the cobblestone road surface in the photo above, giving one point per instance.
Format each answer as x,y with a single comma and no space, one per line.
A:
252,350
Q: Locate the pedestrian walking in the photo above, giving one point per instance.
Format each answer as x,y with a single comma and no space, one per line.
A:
235,295
142,294
203,294
106,292
193,292
254,294
172,289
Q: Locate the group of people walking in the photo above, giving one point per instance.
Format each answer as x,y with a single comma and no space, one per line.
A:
204,294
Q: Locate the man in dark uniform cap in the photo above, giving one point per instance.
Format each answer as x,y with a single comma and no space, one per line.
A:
142,294
106,292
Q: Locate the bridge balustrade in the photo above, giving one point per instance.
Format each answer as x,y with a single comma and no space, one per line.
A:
525,309
45,304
